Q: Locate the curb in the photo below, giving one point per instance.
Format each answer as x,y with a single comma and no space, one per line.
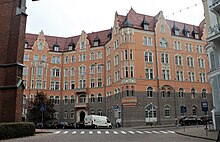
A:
195,136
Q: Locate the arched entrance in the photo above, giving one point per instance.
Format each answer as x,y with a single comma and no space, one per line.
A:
150,113
82,116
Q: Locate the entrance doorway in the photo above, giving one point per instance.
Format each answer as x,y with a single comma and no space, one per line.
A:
82,116
150,113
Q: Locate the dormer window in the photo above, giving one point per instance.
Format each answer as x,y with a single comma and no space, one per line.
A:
145,24
146,27
96,40
56,48
26,44
196,36
177,32
187,34
70,47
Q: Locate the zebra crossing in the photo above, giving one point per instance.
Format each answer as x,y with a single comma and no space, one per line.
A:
114,132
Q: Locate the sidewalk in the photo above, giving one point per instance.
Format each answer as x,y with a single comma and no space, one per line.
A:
197,132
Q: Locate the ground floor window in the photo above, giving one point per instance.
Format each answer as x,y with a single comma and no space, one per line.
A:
150,113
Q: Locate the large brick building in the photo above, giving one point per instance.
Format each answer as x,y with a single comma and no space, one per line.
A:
145,69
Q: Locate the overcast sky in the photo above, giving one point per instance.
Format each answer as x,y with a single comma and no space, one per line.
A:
69,17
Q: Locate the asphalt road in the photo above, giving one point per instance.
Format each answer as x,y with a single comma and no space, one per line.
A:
109,135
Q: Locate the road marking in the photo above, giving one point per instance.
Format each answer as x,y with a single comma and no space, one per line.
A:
107,132
57,132
74,132
148,132
139,132
155,132
98,132
65,132
131,132
164,132
171,132
123,132
90,132
115,132
82,132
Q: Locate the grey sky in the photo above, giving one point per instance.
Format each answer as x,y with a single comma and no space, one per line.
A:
69,17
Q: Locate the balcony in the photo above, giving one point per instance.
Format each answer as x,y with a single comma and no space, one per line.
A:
81,105
81,90
129,101
215,5
214,33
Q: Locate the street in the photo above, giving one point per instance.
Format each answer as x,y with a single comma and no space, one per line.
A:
109,135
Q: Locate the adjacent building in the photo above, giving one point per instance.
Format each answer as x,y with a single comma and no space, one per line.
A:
212,10
144,70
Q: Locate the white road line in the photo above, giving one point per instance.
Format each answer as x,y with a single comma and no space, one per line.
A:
139,132
57,132
148,132
123,132
74,132
164,132
171,132
82,132
65,132
155,132
131,132
98,132
90,132
107,132
115,132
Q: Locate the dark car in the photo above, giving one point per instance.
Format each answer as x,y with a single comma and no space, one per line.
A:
207,119
181,120
80,125
62,125
193,121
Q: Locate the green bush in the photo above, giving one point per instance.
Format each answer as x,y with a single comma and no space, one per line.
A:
16,129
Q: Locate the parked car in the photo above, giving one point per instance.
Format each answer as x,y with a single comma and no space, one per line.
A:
62,125
193,121
71,126
181,120
79,125
207,119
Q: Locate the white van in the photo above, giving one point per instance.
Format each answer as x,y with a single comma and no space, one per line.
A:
96,121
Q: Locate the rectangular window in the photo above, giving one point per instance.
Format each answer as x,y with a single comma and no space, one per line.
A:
92,83
166,74
131,54
72,84
38,84
202,77
66,85
126,72
191,76
126,54
179,75
149,73
99,82
165,58
132,71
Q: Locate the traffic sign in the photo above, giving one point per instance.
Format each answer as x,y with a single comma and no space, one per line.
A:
204,106
43,107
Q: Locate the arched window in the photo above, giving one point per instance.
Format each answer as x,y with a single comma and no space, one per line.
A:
36,58
92,56
66,72
72,71
72,99
193,93
204,95
57,100
66,59
150,92
92,98
178,59
100,112
132,90
72,114
52,99
65,99
145,41
163,43
169,93
149,41
167,111
181,93
65,114
73,59
183,110
99,98
150,113
44,58
163,92
92,69
194,110
92,111
148,57
99,55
